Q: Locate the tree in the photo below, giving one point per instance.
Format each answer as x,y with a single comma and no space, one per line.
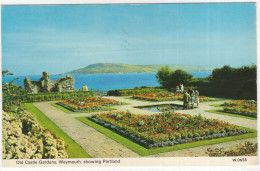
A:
180,77
237,83
163,76
170,79
11,95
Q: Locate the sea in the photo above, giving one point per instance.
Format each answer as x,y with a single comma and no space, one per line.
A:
105,82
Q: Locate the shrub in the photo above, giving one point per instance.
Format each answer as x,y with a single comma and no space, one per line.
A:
248,149
28,98
11,95
24,138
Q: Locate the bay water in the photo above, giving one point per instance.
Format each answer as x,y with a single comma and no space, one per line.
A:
107,82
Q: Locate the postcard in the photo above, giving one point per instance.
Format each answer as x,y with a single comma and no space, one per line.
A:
129,84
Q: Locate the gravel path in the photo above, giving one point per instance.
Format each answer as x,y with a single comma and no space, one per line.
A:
99,145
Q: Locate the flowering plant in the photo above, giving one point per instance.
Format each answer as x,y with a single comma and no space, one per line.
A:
242,107
169,128
87,103
162,96
246,149
165,96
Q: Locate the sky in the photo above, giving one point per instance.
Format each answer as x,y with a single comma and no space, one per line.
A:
61,38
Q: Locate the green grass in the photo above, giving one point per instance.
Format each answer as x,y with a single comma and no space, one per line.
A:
144,152
216,105
73,149
87,111
230,114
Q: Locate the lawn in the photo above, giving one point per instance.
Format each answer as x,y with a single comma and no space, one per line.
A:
144,151
73,149
216,105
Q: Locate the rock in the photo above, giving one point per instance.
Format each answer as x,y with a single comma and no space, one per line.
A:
46,85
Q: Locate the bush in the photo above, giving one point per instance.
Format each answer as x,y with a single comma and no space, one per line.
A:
228,82
24,138
239,83
248,149
11,95
28,98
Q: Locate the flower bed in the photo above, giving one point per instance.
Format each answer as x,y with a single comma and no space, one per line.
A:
168,129
241,107
134,91
166,96
76,104
201,98
205,99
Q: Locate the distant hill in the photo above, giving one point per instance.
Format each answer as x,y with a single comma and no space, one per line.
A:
112,68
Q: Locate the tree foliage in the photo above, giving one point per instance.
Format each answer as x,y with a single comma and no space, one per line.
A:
170,79
228,82
11,95
235,82
163,76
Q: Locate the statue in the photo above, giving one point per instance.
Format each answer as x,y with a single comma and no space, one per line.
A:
182,88
84,88
186,98
178,90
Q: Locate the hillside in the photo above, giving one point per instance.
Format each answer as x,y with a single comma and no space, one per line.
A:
110,68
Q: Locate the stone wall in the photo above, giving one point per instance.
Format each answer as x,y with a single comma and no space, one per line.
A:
46,85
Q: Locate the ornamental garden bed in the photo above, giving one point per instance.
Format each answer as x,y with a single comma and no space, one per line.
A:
201,99
76,104
167,129
241,107
167,96
135,91
238,108
162,96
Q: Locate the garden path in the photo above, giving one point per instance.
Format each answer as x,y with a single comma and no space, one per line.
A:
98,145
95,143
